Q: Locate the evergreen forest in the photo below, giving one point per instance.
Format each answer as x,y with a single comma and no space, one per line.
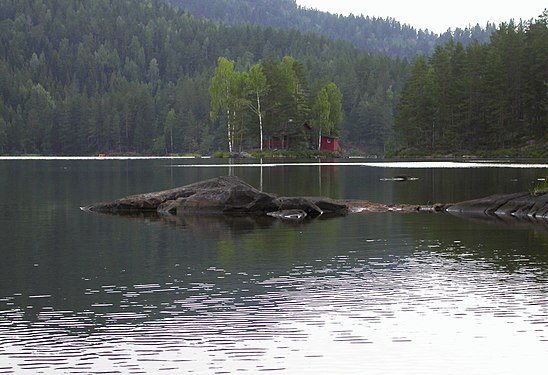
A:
82,77
133,76
487,99
377,35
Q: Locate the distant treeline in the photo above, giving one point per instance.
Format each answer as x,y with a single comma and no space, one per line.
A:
482,97
377,35
89,76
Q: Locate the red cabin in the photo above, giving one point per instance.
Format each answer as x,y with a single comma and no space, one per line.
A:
328,143
276,143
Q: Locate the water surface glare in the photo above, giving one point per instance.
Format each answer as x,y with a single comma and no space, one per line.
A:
82,293
429,312
395,164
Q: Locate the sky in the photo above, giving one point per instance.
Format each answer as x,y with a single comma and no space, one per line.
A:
435,15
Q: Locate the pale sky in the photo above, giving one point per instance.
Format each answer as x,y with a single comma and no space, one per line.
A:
436,16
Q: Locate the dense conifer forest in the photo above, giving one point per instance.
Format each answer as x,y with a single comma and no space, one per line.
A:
81,77
377,35
89,76
487,99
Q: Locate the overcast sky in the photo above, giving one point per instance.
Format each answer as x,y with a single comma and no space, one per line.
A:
435,15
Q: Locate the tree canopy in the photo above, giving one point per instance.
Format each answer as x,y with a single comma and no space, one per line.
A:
122,76
482,97
373,34
237,97
126,76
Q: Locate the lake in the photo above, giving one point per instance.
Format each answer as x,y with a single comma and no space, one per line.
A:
390,293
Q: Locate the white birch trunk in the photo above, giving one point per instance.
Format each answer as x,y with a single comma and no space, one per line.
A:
320,139
260,119
229,131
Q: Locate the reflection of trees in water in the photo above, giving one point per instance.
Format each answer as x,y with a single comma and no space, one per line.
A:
507,242
295,180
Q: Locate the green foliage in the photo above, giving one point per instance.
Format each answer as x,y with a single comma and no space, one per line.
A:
321,109
221,154
539,188
256,87
225,96
479,98
286,90
382,36
169,125
90,76
334,97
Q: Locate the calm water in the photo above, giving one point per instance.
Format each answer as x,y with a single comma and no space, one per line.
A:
390,293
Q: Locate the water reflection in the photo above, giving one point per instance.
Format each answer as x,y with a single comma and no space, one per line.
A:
376,294
361,304
215,225
507,222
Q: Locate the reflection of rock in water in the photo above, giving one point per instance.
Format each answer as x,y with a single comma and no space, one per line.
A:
219,224
507,222
213,225
518,205
236,204
228,202
522,210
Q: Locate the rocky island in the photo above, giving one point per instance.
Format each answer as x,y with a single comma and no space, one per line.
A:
229,195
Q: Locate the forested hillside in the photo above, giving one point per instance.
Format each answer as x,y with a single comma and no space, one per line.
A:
377,35
480,98
87,76
81,77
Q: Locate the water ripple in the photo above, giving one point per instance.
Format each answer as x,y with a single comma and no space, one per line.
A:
407,304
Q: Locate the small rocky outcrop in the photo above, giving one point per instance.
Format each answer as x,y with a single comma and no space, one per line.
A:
222,195
519,205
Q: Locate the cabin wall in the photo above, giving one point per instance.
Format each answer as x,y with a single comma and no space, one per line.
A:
329,144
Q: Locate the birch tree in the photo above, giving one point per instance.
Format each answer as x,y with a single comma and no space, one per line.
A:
223,98
334,97
321,110
256,86
327,110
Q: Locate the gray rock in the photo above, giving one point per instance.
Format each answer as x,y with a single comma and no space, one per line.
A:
298,203
328,205
232,196
222,195
519,205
